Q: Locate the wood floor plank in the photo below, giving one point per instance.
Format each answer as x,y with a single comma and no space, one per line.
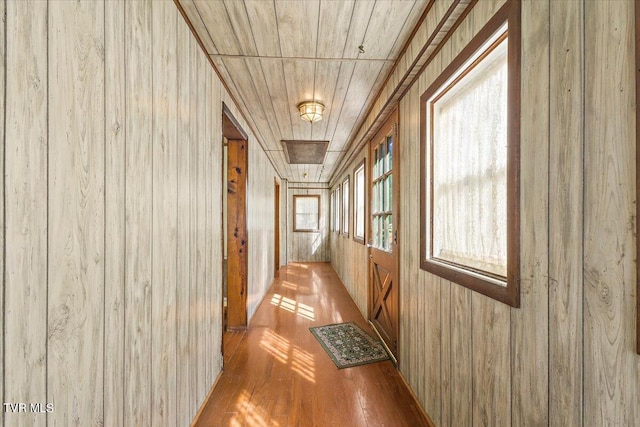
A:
281,376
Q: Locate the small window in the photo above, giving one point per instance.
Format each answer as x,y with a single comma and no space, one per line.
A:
345,206
338,215
306,213
359,203
470,156
332,210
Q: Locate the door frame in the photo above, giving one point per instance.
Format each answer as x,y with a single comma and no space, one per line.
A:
391,124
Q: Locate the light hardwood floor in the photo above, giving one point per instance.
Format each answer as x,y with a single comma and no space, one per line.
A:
280,376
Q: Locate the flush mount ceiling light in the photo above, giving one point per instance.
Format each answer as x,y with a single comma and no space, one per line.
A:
311,111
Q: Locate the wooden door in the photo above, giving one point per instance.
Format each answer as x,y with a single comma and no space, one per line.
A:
237,246
383,220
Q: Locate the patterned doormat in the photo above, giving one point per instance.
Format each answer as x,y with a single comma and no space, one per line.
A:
348,345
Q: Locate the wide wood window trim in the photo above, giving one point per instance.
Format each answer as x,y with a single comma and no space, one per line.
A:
506,291
346,206
360,168
297,228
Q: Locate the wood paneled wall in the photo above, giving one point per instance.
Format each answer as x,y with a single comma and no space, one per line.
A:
112,263
348,257
567,356
308,246
260,222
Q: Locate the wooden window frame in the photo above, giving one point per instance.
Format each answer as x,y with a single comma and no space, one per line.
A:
509,292
346,224
332,207
360,239
295,225
338,192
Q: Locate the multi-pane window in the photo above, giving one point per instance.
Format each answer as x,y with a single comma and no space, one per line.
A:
470,205
306,213
382,192
359,203
345,206
333,210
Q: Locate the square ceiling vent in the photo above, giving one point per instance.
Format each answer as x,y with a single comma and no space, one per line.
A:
305,152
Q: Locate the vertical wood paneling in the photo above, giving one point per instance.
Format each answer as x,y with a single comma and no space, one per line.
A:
445,352
217,187
529,346
460,361
25,327
3,124
502,366
164,215
183,373
114,256
260,223
429,331
138,187
195,368
610,364
76,213
491,362
566,213
201,237
102,250
209,236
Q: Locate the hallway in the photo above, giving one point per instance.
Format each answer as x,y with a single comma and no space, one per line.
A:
280,375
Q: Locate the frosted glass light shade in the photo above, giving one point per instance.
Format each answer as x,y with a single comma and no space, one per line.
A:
311,111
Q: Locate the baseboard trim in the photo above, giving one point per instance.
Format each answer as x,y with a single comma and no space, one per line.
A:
416,401
206,400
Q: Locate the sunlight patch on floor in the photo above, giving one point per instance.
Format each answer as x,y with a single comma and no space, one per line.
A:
301,362
276,345
290,285
292,306
250,414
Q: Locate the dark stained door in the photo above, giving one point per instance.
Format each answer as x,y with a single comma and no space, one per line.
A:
383,218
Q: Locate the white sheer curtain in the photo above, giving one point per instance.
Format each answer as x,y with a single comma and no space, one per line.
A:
307,213
469,168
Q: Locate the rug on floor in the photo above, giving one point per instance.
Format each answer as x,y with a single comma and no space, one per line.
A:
348,345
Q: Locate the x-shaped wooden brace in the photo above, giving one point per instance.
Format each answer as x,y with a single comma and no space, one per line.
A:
383,292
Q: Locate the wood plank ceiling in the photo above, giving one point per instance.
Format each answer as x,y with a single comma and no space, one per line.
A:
272,55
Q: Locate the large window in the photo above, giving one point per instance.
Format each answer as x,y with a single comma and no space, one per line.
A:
306,213
345,206
359,203
470,119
